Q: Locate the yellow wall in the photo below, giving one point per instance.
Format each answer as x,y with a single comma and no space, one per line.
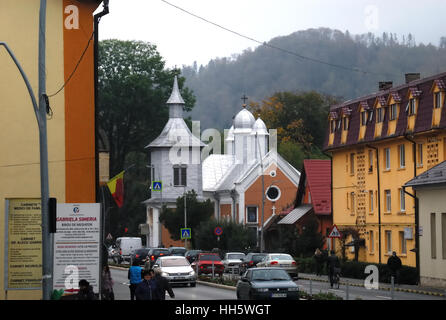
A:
19,162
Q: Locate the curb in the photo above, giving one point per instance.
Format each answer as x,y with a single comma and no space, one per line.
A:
216,285
430,293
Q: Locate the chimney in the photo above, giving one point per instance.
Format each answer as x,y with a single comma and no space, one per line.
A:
412,77
385,85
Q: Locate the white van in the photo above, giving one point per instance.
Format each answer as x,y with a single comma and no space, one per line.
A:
126,245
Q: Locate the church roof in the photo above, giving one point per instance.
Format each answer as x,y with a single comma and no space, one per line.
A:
175,96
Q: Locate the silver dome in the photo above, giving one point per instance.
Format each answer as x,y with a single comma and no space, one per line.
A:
260,127
244,120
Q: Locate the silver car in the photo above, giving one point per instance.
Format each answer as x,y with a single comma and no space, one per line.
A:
232,261
176,269
280,260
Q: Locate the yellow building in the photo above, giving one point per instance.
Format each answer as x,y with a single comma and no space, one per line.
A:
71,128
379,142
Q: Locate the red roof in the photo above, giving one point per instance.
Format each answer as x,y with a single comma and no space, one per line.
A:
318,175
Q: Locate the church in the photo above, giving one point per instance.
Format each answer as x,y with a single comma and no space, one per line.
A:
234,181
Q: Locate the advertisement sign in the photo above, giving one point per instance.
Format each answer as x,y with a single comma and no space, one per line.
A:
23,244
77,246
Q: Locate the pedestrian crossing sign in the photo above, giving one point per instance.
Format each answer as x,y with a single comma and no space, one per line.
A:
334,233
186,233
157,186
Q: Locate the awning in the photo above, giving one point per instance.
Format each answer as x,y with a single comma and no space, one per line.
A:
296,214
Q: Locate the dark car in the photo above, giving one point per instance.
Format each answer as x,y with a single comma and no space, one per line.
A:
267,283
208,263
251,260
192,255
140,255
177,251
155,253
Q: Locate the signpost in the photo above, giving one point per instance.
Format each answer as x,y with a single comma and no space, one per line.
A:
334,233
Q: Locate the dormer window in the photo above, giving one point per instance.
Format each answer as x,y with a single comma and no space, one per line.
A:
346,123
363,118
411,106
379,115
333,125
437,100
392,111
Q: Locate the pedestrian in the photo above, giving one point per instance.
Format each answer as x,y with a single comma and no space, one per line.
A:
147,264
333,266
134,275
394,264
107,284
146,289
162,285
85,291
319,258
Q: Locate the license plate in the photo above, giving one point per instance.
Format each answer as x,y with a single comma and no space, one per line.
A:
278,295
179,278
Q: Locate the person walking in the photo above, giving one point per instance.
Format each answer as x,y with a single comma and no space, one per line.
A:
134,275
147,288
85,291
162,285
394,264
319,258
333,266
107,284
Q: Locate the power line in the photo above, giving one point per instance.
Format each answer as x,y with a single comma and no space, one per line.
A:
264,43
50,161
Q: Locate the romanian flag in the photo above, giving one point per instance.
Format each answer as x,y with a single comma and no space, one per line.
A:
116,187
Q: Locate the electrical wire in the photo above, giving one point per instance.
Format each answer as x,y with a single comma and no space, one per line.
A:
352,69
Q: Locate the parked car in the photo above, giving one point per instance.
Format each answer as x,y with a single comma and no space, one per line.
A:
205,261
177,251
232,261
280,260
251,260
155,253
140,255
126,246
192,255
176,269
266,283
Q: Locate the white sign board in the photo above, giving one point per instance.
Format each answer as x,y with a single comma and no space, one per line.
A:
334,233
77,246
408,234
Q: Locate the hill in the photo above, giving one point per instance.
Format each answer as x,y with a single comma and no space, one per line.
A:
260,73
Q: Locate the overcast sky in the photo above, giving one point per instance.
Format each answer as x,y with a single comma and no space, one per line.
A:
182,39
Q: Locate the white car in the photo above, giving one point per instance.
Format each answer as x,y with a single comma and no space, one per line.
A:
232,261
280,260
176,269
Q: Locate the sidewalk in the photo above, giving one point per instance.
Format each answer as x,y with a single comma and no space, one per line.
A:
382,286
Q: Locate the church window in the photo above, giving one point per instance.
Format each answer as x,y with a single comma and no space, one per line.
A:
179,176
251,214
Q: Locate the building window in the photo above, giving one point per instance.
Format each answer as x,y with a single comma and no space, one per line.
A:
379,115
363,118
370,160
387,158
402,155
393,111
346,123
372,242
180,176
433,237
371,201
251,214
411,106
389,241
420,154
443,233
352,202
403,244
352,163
402,200
273,193
388,198
333,125
437,99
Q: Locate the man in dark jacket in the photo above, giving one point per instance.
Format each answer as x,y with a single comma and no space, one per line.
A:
163,285
146,289
394,264
333,266
85,291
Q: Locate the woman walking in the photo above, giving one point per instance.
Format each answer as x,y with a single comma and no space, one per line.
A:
107,284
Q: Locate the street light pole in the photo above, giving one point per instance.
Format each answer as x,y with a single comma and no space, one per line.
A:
185,216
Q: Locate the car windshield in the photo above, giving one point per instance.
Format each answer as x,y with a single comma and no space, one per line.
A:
236,256
270,275
281,257
210,257
174,263
142,251
258,258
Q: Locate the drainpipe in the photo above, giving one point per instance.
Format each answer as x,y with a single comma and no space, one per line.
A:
379,200
97,18
417,214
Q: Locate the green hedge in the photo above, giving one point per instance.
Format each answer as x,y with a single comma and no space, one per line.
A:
355,270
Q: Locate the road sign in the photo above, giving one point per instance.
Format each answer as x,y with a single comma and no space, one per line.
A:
157,186
186,233
218,231
109,237
334,233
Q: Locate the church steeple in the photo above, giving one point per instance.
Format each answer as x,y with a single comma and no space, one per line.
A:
175,101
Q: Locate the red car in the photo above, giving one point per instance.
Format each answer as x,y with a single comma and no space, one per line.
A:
205,261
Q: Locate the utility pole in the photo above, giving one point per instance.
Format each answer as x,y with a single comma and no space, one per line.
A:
185,216
262,245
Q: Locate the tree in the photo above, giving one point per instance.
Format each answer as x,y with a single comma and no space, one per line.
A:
196,213
309,239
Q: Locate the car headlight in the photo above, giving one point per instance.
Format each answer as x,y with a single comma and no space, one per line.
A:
262,290
192,273
165,274
293,289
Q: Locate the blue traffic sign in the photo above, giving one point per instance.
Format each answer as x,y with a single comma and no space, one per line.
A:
186,233
157,186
